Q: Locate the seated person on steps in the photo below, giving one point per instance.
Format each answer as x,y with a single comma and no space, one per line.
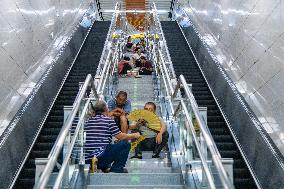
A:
124,65
119,107
136,57
99,132
143,42
154,141
146,66
129,44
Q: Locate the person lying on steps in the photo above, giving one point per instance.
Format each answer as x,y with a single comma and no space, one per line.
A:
119,107
154,141
99,132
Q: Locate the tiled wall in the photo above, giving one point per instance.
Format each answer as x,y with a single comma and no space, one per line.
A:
247,38
31,34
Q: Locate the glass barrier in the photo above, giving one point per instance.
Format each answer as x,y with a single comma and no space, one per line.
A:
68,152
195,140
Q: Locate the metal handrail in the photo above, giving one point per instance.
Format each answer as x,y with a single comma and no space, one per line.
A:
70,149
207,136
200,121
108,36
164,39
190,128
56,150
81,119
105,72
166,72
105,50
204,163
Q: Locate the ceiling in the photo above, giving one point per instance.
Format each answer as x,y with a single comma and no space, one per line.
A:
107,6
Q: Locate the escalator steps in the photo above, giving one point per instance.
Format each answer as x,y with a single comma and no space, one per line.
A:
86,63
184,63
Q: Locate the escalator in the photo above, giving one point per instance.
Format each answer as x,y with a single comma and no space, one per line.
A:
184,63
86,63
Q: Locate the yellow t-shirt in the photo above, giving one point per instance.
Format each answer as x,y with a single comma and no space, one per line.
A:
149,133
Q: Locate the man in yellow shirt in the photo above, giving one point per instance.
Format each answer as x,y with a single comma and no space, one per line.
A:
155,141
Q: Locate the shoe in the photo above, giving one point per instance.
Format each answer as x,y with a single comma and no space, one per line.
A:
156,156
124,170
104,169
136,156
107,170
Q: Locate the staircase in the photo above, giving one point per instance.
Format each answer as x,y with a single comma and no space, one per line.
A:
160,4
184,63
147,173
108,5
86,63
139,90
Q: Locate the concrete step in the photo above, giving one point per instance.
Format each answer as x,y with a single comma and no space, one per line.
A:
135,179
150,170
136,187
148,155
148,163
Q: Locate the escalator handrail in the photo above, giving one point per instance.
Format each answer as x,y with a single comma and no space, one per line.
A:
166,72
204,129
56,150
204,163
190,128
107,69
57,147
106,49
253,174
216,157
163,38
70,148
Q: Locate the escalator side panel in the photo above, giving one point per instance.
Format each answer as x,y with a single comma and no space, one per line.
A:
20,134
86,63
254,141
184,63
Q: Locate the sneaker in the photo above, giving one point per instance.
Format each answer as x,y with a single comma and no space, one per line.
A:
124,170
156,156
107,170
136,156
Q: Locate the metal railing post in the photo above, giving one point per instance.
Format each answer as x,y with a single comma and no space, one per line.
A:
40,164
188,136
66,148
56,150
203,113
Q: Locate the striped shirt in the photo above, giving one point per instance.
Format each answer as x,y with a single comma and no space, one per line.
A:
99,132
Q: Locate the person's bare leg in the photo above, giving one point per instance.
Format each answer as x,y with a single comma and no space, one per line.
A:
123,124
